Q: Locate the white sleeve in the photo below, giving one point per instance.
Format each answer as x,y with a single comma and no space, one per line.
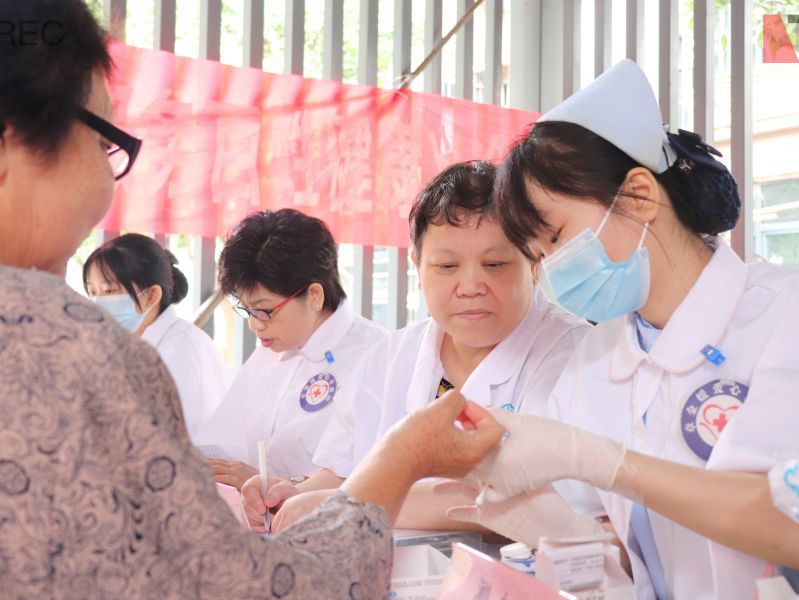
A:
336,448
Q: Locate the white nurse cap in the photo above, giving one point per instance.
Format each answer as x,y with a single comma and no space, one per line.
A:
620,107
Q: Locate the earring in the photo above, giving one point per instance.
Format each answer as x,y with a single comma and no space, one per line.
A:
316,307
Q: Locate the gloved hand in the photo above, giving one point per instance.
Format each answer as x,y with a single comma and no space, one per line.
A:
524,517
538,451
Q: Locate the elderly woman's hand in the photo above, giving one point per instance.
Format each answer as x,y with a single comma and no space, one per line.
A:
436,446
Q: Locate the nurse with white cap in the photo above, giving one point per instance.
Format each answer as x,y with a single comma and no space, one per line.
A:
685,395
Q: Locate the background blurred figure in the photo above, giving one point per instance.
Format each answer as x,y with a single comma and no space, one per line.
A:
136,281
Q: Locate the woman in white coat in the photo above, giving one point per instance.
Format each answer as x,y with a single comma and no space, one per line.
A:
282,267
136,281
684,396
491,334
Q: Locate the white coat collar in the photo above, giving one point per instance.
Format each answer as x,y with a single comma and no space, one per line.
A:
495,369
701,318
327,336
504,361
427,370
156,331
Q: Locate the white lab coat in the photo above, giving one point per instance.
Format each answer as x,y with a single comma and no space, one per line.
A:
272,398
402,374
200,374
751,314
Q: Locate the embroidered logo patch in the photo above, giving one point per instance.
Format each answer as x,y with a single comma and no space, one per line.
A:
318,392
708,411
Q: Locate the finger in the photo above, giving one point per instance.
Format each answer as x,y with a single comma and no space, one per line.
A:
279,493
480,416
459,487
452,403
280,521
251,496
228,479
469,514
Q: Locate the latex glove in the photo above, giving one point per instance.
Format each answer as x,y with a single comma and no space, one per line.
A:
298,507
524,517
539,451
231,472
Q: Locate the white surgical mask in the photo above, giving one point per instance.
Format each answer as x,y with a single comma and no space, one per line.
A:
581,277
123,309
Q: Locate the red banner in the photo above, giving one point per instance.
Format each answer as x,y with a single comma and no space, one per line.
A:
222,141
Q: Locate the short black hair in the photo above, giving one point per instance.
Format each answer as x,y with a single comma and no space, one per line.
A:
137,259
569,159
282,250
459,192
49,51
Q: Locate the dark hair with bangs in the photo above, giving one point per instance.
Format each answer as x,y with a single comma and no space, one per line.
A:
457,193
46,77
135,259
283,251
569,159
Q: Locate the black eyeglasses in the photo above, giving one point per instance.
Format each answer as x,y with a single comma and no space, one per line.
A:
124,147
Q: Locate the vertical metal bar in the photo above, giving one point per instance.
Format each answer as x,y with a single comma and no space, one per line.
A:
635,30
603,35
741,132
363,256
204,251
571,47
204,248
367,44
397,287
464,54
704,60
363,277
398,257
493,73
432,33
553,52
402,39
295,36
164,25
667,62
333,44
210,28
253,49
253,56
105,235
114,17
525,54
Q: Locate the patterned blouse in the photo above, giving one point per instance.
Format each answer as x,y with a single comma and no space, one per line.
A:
103,496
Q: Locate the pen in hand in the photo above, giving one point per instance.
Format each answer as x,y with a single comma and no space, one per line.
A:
264,484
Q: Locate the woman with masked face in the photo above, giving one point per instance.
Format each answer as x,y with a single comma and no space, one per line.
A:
136,281
684,396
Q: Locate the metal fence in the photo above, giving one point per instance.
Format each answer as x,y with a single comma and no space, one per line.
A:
544,40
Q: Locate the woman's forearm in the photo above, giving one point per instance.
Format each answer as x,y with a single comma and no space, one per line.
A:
734,509
321,480
424,509
382,478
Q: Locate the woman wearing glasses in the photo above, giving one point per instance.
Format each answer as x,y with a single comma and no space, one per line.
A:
136,281
102,494
282,269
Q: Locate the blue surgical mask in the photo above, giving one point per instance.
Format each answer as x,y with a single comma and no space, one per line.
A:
122,308
582,279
